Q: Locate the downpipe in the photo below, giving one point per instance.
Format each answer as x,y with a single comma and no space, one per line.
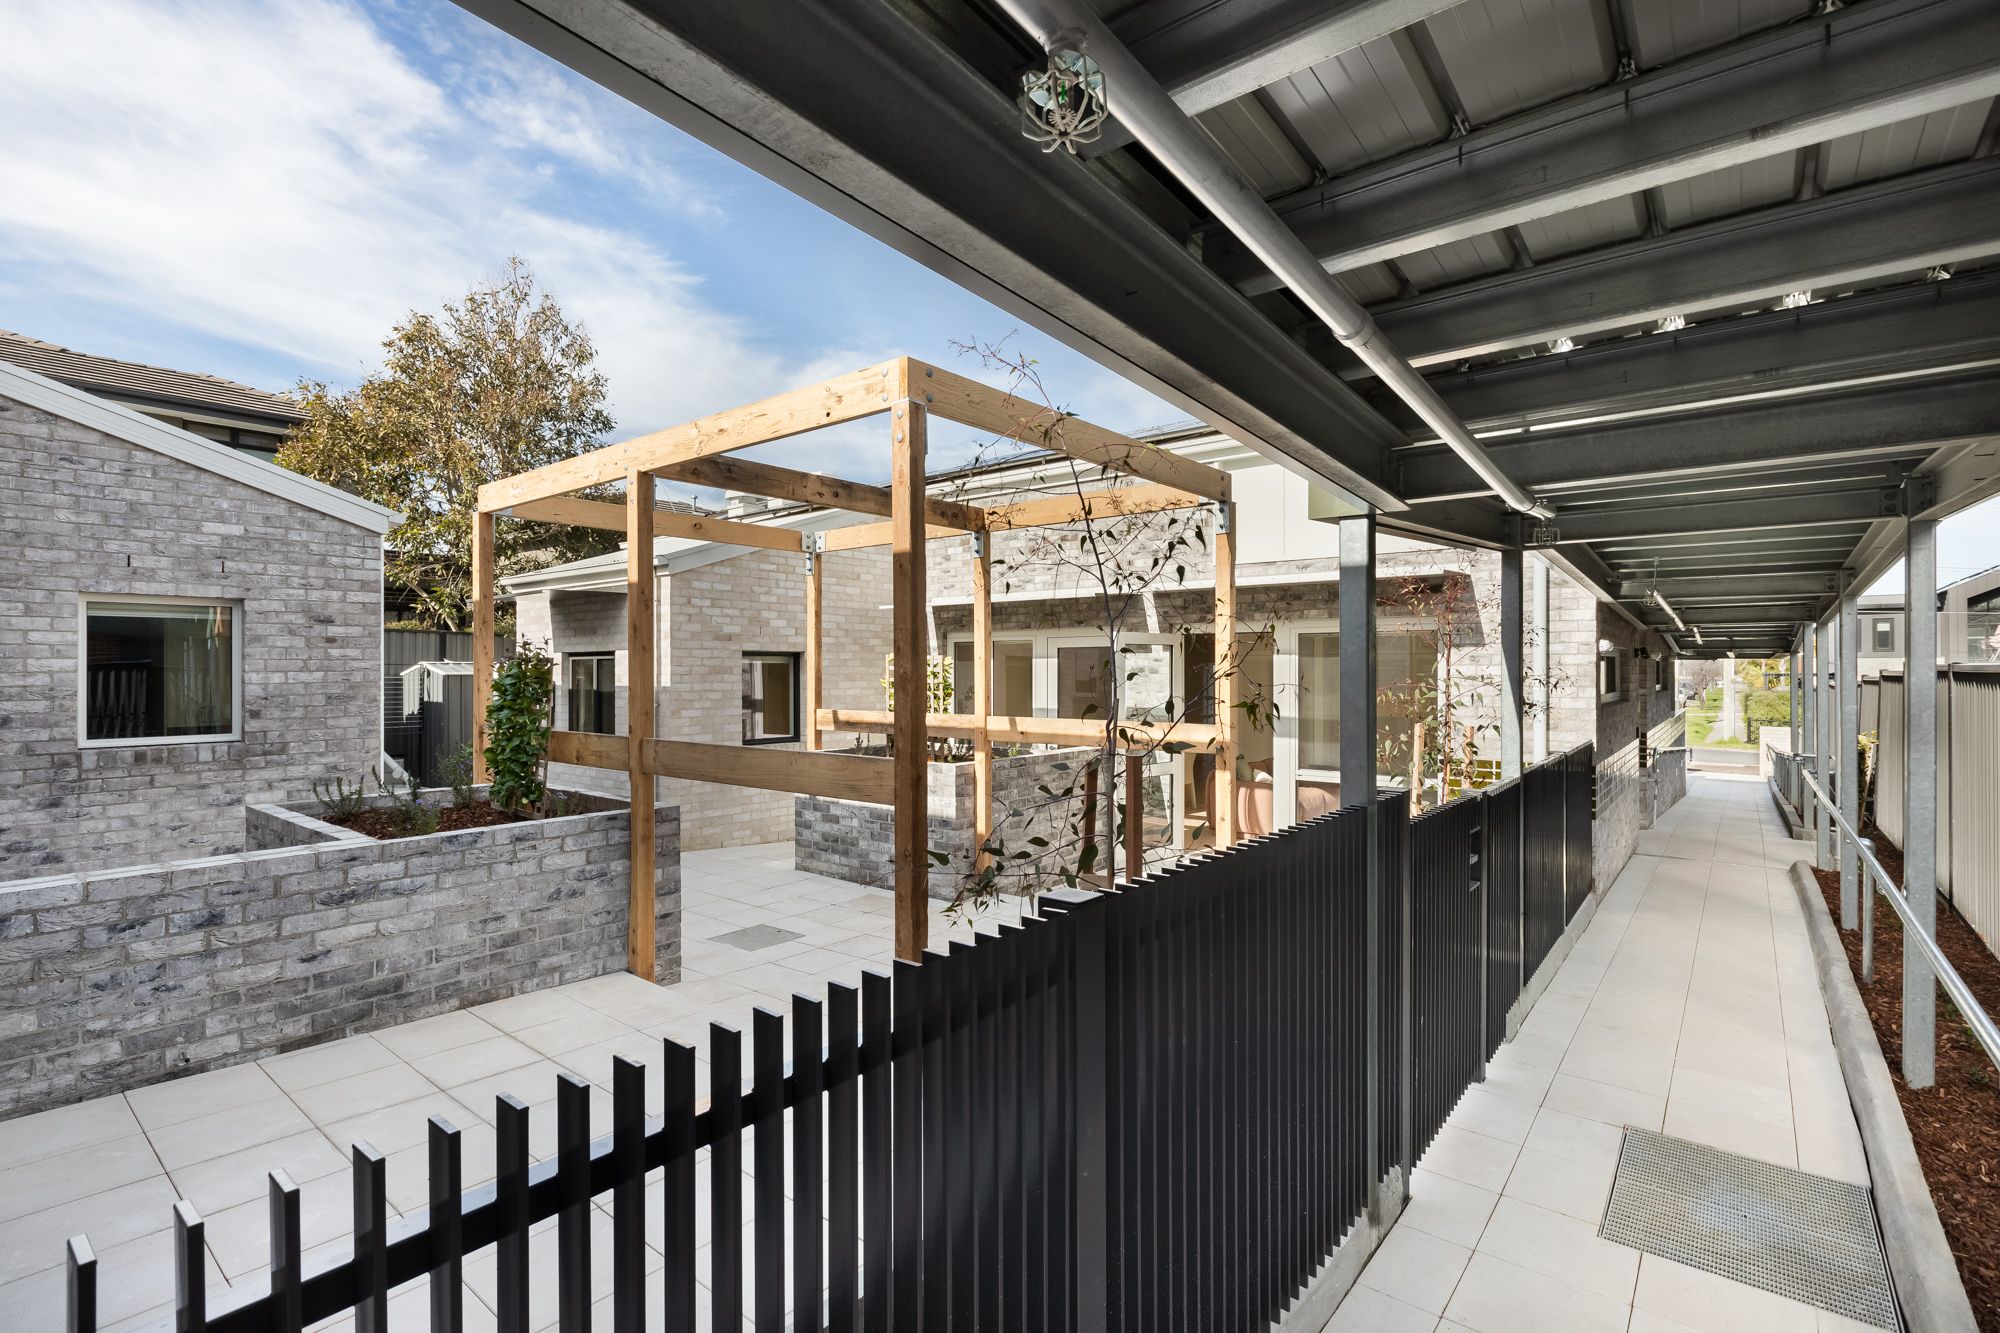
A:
1136,98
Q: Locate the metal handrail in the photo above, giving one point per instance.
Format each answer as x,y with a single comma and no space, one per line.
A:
1976,1018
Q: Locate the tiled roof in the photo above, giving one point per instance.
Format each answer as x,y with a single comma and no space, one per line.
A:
106,376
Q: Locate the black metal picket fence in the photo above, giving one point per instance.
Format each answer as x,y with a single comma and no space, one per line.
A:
1155,1109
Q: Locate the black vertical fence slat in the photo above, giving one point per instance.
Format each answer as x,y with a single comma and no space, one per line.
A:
677,1197
725,1175
287,1314
370,1181
767,1060
902,1159
447,1227
808,1127
190,1273
81,1278
1139,1110
879,1195
843,1133
933,978
510,1162
628,1195
573,1211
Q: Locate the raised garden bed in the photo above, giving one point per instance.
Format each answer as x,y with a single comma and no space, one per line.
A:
1954,1124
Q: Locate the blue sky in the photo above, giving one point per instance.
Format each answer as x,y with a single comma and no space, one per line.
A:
259,190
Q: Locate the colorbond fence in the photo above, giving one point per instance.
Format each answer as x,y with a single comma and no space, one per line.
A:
1143,1110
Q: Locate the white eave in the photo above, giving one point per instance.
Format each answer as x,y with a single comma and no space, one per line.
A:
136,428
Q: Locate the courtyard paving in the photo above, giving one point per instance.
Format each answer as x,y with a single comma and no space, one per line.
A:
113,1167
1689,1006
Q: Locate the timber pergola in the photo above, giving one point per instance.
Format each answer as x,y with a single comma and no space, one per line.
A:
698,453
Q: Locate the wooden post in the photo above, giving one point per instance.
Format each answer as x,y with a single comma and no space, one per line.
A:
982,698
1135,826
482,637
1223,817
810,728
639,640
911,643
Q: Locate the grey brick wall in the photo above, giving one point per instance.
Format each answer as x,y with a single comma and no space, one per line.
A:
87,513
708,617
113,979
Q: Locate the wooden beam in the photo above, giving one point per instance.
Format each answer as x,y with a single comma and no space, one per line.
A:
482,639
863,535
740,474
810,688
1027,730
911,645
970,403
640,583
982,699
588,749
666,522
1058,509
843,398
846,777
1227,694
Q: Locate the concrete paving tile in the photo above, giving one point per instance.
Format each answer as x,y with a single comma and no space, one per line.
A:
163,1104
25,1138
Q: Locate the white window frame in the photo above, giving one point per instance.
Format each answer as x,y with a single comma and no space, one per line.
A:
236,631
1617,693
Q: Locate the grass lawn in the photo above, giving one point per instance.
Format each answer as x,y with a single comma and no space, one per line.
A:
1699,723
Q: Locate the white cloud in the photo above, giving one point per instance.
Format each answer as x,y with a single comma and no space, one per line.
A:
282,175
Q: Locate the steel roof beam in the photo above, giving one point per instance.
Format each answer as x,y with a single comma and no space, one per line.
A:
1906,224
1894,331
1773,93
1696,589
1777,614
864,109
1207,53
1879,421
1827,509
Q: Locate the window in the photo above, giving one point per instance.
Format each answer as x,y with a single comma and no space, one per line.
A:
1662,669
590,687
1610,678
1013,677
1882,634
770,698
158,670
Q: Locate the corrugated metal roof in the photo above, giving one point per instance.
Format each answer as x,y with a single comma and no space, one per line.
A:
106,376
1716,194
1503,56
1889,150
1459,261
1584,228
1661,31
1247,133
1363,105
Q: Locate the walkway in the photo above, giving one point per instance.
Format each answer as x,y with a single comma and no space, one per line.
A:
113,1167
1689,1006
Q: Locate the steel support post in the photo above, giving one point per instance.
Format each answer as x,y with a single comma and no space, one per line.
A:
1512,701
1357,787
1848,687
1822,750
1920,808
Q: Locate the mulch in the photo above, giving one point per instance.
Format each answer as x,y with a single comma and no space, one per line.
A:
1955,1124
384,825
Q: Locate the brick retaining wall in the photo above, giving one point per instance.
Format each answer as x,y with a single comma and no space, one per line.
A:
118,978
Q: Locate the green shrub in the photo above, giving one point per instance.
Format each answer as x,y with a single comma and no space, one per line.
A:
1762,708
338,801
457,772
518,720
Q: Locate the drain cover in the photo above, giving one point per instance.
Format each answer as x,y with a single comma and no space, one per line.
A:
759,936
1801,1236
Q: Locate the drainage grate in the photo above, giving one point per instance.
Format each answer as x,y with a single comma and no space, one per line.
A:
1799,1235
